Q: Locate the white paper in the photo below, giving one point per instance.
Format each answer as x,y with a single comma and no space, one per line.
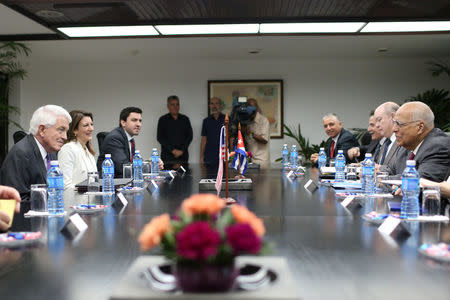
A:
122,199
347,200
389,225
78,222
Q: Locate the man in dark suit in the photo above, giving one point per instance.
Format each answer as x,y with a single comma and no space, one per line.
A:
384,115
120,141
28,161
373,147
340,139
428,146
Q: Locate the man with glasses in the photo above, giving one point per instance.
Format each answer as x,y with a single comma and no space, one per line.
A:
420,141
383,122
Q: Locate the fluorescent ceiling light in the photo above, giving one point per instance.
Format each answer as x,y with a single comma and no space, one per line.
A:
407,26
208,29
341,27
108,31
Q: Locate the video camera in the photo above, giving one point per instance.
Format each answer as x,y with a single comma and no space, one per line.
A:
241,113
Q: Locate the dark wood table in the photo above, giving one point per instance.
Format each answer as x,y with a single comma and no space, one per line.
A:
332,252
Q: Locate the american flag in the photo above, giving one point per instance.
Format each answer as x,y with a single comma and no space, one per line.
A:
221,159
240,155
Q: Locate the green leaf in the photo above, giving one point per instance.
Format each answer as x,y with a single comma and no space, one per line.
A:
225,220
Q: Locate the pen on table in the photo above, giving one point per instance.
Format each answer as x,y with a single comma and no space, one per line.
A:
395,190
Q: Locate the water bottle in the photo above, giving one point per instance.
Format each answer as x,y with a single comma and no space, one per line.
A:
368,174
108,175
55,183
340,167
138,176
285,156
410,190
322,159
154,163
294,157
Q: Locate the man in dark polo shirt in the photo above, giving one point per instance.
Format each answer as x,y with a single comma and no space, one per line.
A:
209,149
174,135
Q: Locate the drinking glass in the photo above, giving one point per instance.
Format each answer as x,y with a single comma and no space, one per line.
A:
332,162
93,182
431,200
38,197
128,170
381,187
146,167
351,173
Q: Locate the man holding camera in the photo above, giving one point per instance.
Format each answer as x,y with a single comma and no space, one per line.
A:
258,137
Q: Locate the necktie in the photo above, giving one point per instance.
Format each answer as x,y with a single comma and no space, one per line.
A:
411,157
132,149
47,160
332,149
376,153
386,146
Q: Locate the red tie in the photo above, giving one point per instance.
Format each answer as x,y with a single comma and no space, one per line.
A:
332,149
411,157
132,149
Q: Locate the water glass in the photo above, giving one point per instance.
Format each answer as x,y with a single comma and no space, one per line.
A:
431,200
332,162
128,170
38,197
146,167
351,173
93,182
379,185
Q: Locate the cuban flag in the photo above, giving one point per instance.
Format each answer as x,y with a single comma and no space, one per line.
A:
221,160
240,155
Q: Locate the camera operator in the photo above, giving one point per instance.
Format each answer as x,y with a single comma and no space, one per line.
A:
258,137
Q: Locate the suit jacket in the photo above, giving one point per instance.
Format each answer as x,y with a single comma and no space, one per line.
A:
24,166
432,158
392,154
75,163
116,144
345,141
370,148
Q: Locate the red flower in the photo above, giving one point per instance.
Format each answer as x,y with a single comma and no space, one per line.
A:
242,238
198,241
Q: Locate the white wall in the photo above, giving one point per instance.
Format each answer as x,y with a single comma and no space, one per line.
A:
348,87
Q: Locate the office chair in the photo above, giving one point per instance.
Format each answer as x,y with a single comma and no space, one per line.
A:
18,135
100,137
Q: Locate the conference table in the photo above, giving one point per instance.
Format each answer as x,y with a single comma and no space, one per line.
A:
331,251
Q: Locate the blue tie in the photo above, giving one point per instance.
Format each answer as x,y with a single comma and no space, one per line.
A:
386,146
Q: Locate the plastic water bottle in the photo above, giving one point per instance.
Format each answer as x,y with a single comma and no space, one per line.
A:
138,176
154,163
410,190
369,174
322,159
294,157
55,183
285,156
340,167
108,175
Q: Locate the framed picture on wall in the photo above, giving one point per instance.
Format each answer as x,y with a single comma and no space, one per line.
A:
268,94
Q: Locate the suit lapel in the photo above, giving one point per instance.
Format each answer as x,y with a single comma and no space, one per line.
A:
38,157
392,153
125,138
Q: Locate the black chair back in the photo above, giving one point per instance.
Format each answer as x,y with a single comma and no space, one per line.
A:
100,137
18,135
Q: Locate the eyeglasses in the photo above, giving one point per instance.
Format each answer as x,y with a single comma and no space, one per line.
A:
403,124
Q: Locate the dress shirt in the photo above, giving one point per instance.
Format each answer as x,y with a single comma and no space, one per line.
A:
129,137
42,150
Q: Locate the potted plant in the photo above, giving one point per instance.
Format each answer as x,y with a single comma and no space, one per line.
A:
10,69
202,240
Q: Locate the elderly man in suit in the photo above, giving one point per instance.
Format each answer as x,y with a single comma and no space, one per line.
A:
120,141
28,161
420,141
373,147
340,139
384,115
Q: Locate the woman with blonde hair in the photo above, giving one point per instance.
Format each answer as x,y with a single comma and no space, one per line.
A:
76,157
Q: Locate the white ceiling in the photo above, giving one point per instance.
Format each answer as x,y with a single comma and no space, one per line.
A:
270,47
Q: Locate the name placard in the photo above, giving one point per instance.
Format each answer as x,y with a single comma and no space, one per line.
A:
310,185
74,225
389,225
346,202
122,199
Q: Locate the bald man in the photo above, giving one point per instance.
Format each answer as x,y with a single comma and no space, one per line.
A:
340,139
383,122
428,146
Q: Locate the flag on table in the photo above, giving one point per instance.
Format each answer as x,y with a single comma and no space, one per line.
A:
240,155
221,159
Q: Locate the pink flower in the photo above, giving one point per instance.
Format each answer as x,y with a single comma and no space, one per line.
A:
242,238
198,241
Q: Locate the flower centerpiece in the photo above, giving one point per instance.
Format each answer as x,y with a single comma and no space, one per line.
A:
202,240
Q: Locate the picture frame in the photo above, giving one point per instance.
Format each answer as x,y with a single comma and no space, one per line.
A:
268,94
